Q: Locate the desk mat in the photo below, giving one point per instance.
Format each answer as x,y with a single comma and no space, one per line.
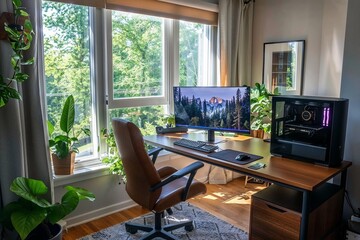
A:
229,155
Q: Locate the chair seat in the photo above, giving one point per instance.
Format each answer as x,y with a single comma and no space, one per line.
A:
171,193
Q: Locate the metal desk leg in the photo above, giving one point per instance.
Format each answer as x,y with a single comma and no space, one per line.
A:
343,179
305,215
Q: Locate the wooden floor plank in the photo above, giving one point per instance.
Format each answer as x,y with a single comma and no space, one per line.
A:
229,202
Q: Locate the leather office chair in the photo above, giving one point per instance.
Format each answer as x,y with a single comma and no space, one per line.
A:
147,186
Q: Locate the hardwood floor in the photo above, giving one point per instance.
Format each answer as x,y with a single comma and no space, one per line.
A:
229,202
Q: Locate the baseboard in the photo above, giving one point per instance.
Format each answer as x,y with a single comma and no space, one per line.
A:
98,213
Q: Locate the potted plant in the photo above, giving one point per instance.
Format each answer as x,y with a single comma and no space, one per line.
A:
19,31
169,120
62,145
260,102
34,217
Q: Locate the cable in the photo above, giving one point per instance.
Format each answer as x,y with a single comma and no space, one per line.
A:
350,204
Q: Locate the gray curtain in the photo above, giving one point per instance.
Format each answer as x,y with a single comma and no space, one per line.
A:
235,31
23,134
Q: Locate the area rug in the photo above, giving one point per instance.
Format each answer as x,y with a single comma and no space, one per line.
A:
207,226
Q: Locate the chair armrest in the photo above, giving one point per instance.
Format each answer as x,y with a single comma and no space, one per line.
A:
154,153
190,169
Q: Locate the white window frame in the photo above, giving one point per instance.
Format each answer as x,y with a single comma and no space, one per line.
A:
170,67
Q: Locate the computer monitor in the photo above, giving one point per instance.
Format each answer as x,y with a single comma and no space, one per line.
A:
224,109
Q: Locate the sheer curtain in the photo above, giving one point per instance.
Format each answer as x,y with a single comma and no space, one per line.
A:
235,31
235,34
23,134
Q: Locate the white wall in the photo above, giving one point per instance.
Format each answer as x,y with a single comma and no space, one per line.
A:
332,47
110,197
350,86
320,23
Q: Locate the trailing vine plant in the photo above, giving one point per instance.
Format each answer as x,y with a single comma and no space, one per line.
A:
20,34
113,159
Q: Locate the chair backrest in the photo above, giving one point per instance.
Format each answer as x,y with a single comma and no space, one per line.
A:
139,169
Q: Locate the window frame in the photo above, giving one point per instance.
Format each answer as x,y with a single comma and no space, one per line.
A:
170,67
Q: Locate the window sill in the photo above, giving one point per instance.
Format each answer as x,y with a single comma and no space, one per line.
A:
93,169
82,173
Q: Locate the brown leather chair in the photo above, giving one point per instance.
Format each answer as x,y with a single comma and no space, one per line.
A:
155,190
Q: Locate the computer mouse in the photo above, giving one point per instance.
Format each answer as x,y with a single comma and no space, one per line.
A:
242,157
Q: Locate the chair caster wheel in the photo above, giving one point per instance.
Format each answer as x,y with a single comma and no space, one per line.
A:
189,228
131,230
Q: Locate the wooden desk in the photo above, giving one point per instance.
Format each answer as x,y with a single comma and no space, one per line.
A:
301,176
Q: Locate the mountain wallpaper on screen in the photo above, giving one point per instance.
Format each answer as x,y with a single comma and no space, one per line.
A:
218,108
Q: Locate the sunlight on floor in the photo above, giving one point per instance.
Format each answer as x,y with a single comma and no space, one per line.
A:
219,194
244,198
210,197
230,198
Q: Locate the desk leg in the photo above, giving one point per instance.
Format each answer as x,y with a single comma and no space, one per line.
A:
343,179
305,215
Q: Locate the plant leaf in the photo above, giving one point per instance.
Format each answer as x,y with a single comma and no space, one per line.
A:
27,219
29,189
28,26
16,3
68,115
12,93
68,204
21,77
28,62
23,13
82,193
51,128
86,131
2,102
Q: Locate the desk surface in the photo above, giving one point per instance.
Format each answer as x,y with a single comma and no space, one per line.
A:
286,171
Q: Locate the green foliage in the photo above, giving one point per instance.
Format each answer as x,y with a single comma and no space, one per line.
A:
261,107
30,210
169,120
67,61
20,38
189,52
137,55
63,144
113,159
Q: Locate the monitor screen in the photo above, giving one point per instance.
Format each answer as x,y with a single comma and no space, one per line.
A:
213,108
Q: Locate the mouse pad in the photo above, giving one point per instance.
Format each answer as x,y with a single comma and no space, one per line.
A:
230,155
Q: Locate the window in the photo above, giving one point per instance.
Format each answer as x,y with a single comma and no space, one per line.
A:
137,87
195,54
145,56
137,56
67,66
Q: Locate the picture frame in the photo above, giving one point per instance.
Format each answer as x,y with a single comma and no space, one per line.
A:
283,66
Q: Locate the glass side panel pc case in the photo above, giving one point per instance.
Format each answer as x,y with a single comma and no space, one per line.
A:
309,128
225,109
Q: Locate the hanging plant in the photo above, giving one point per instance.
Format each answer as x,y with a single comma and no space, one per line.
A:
20,33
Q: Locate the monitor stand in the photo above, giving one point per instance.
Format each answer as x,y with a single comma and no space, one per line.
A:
211,136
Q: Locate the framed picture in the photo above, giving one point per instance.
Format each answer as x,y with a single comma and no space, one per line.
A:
283,66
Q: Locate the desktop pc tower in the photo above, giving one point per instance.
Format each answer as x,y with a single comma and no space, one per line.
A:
309,128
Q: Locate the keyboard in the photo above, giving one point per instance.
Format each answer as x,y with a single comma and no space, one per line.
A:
196,145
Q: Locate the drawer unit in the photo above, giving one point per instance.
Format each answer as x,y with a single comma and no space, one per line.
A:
276,213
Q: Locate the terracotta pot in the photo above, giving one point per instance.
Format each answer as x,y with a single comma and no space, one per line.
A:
257,133
64,166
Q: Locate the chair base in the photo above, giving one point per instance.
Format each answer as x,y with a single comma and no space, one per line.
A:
158,230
